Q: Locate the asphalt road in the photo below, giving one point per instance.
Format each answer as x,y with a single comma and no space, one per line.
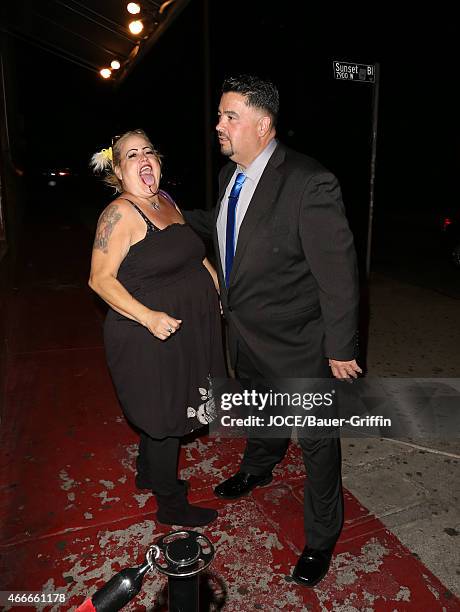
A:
409,248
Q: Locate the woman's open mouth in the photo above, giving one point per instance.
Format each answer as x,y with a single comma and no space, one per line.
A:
146,175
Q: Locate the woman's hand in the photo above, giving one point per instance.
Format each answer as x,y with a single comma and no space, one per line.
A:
161,325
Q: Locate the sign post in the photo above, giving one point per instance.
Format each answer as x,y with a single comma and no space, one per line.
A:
365,73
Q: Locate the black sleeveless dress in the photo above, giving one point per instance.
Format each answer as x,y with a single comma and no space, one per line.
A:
165,387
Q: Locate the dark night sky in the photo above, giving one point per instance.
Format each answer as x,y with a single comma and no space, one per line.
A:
69,112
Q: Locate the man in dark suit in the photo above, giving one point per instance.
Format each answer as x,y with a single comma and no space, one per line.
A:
289,291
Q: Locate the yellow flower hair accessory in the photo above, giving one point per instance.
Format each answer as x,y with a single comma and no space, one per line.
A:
108,153
102,160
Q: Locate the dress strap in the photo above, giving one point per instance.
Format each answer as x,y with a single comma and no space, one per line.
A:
166,196
150,226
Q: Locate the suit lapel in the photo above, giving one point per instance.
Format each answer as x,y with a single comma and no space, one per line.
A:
224,179
262,200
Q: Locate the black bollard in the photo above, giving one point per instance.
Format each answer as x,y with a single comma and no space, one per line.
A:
183,555
183,593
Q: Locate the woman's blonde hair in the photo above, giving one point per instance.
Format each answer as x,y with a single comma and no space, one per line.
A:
107,159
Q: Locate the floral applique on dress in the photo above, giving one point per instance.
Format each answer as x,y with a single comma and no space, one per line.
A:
206,412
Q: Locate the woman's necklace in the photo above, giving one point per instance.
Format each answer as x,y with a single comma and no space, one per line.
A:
155,205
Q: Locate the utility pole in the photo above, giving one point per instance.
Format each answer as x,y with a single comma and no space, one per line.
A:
365,73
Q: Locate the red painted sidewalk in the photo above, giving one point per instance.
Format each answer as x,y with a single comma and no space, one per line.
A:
71,516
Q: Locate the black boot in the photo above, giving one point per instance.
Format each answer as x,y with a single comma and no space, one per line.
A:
174,509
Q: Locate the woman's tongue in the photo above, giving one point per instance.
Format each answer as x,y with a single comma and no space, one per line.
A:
148,179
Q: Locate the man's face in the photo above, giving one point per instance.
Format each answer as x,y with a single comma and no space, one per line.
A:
238,129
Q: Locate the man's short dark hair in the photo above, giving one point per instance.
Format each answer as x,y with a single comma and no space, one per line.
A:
259,93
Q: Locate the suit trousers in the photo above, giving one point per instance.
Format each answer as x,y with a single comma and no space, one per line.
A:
323,498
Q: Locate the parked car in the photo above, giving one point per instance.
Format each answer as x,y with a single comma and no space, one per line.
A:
54,175
451,235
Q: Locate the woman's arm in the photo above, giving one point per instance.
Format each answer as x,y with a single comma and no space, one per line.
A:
202,221
212,271
111,245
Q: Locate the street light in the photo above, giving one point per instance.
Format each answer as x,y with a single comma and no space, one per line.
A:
115,65
105,73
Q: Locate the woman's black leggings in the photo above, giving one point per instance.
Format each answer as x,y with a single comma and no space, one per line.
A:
157,463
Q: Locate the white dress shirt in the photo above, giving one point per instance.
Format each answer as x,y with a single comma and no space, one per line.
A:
253,174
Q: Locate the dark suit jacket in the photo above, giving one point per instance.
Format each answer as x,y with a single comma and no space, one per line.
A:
293,293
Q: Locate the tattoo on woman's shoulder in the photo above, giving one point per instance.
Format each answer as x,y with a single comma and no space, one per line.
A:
105,225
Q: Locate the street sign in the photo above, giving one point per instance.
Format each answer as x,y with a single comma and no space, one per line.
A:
349,71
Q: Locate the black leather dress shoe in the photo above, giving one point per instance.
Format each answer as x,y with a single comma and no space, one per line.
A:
241,484
312,566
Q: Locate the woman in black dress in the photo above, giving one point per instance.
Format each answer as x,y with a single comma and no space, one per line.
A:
162,333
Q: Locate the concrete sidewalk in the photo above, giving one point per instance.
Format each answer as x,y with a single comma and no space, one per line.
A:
413,486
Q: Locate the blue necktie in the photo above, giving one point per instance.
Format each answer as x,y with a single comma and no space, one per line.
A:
231,217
